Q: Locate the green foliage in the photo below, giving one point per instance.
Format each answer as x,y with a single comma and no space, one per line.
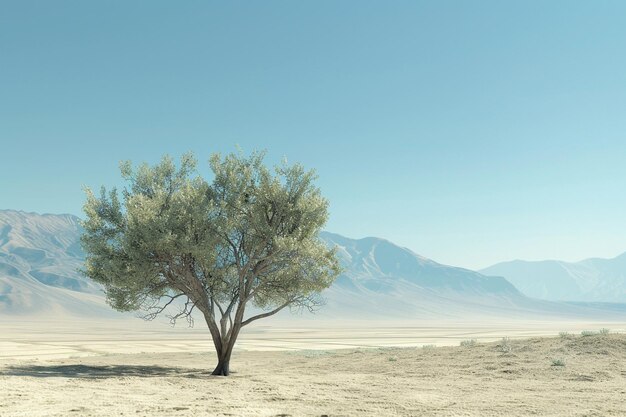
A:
248,236
604,331
564,335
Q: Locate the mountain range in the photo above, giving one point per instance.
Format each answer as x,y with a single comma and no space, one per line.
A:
39,260
40,256
591,280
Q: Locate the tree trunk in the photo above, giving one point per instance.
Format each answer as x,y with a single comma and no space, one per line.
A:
224,346
222,368
223,358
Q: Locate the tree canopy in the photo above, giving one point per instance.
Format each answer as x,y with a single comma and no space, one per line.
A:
248,237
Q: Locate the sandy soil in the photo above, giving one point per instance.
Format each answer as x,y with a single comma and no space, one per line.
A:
517,378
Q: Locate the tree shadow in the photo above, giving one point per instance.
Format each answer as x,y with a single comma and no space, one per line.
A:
97,372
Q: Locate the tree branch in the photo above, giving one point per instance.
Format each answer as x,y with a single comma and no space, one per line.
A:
269,313
155,310
184,312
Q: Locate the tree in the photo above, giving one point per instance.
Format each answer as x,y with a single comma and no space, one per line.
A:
249,237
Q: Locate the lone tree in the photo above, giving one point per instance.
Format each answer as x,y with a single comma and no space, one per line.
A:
249,237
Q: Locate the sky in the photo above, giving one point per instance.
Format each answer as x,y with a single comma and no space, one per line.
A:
469,132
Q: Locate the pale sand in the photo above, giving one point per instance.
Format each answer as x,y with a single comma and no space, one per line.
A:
57,338
86,375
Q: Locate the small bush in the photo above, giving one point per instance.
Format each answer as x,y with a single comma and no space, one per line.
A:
564,335
505,345
468,343
429,347
558,362
392,359
602,332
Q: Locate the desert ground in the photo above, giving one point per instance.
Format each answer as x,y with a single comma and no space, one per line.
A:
379,369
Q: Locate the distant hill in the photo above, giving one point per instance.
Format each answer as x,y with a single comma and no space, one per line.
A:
591,280
39,259
40,256
383,279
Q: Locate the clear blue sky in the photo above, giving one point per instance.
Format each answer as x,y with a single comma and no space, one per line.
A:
470,132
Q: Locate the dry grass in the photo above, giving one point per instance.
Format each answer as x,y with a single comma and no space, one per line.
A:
485,380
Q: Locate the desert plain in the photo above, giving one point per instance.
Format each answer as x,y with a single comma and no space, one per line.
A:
115,368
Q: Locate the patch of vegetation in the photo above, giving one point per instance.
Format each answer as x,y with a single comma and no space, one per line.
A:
564,335
558,362
468,343
602,332
505,345
392,359
428,347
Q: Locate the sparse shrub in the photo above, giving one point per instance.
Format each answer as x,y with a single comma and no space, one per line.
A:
602,332
564,335
392,359
558,362
429,347
468,343
505,345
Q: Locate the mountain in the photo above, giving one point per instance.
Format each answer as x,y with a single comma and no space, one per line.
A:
377,264
591,280
381,278
39,260
40,256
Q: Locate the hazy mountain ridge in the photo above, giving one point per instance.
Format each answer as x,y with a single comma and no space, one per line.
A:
40,256
370,260
590,280
46,247
383,279
39,260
